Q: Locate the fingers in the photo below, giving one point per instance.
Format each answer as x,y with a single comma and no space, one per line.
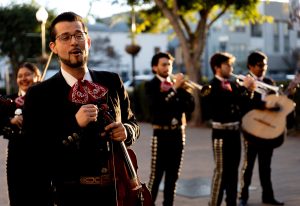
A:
249,83
91,111
116,131
179,80
86,114
17,120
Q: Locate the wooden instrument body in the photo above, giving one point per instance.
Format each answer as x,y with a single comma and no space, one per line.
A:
267,124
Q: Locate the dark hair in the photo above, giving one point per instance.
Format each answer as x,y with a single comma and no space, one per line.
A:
32,67
255,57
219,58
66,16
159,55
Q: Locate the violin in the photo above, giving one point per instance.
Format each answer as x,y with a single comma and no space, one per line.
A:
130,191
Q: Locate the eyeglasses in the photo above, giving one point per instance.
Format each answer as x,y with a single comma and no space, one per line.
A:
261,65
65,38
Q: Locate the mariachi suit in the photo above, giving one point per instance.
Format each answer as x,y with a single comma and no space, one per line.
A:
259,149
223,107
61,153
167,108
15,138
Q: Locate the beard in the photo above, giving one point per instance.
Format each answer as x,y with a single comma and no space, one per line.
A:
79,62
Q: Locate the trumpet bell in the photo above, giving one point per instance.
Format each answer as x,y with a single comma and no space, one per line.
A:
206,89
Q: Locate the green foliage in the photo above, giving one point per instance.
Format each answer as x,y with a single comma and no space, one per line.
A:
152,19
17,22
20,34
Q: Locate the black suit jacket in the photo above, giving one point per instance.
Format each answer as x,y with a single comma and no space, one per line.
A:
224,106
167,106
49,118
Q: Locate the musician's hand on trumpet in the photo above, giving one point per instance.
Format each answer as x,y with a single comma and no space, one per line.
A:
181,82
178,80
258,86
249,83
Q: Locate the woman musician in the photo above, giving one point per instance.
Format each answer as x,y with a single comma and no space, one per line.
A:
11,120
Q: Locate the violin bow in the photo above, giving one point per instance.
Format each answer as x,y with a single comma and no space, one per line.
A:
46,66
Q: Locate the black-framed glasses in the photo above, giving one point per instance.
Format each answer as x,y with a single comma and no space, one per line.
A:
66,37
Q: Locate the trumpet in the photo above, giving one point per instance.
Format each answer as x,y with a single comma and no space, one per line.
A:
261,87
193,85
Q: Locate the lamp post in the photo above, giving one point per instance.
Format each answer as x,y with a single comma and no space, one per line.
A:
133,48
42,16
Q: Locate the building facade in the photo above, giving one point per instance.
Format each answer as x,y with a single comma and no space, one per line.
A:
108,50
279,40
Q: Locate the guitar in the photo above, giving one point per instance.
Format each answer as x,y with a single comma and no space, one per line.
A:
268,124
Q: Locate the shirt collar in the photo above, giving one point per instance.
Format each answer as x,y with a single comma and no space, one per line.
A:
72,80
22,93
221,78
163,79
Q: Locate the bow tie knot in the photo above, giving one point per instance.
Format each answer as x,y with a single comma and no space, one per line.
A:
165,86
20,101
226,85
84,92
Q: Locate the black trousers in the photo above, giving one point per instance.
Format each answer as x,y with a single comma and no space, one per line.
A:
264,154
227,151
167,154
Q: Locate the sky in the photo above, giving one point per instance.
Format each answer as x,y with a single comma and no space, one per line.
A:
100,8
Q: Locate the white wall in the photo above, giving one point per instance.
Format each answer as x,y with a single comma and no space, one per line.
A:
119,40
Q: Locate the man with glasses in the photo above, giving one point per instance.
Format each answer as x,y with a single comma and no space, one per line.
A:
74,122
257,65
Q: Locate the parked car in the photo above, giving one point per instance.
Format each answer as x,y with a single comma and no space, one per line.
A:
138,79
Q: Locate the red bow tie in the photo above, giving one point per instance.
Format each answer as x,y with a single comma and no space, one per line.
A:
19,101
84,92
226,85
165,86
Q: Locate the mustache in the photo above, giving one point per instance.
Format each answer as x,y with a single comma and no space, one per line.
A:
76,51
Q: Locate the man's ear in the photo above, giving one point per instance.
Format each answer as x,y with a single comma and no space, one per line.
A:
89,41
52,46
154,69
217,69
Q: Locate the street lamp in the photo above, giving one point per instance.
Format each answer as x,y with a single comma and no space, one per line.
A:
133,48
42,16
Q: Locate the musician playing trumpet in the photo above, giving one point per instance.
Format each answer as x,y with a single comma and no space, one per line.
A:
223,106
168,102
258,65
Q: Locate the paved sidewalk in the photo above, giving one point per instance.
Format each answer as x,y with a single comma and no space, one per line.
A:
198,164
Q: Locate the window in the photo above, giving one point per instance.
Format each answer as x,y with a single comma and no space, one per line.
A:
156,50
256,30
286,38
276,36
